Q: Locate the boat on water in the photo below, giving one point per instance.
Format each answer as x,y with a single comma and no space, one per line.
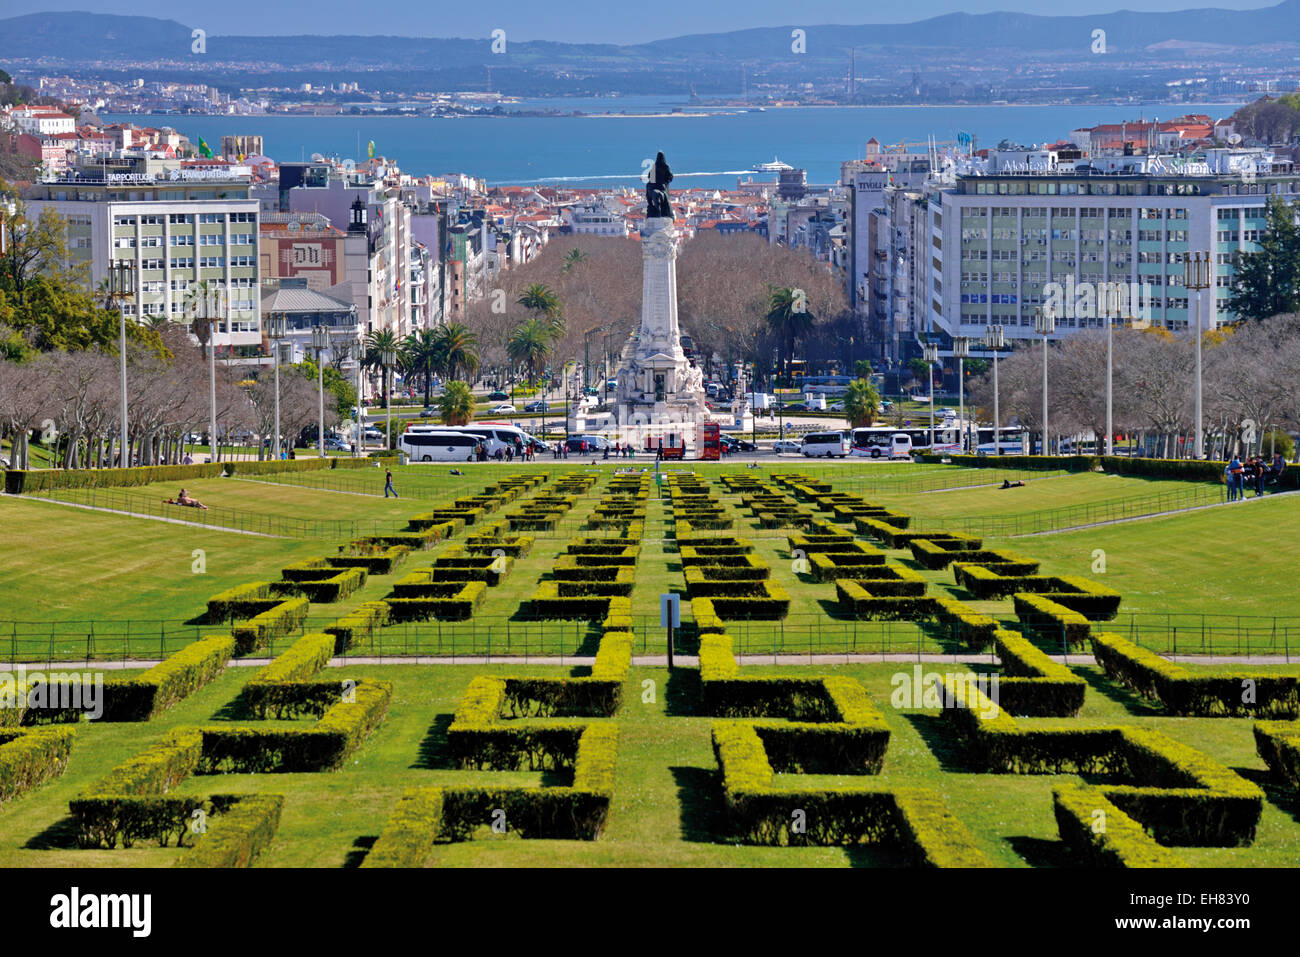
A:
776,166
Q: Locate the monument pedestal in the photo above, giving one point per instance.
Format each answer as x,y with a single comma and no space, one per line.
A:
660,392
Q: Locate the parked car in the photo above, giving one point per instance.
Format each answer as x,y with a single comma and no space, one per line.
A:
371,433
538,445
505,408
537,405
785,445
731,444
797,407
595,443
498,396
334,444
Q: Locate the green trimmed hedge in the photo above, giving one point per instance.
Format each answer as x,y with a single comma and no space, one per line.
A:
1032,684
337,586
242,601
911,821
1180,795
1051,621
444,601
326,745
1103,835
360,624
375,559
828,566
145,696
260,630
240,833
130,803
1278,743
276,690
31,756
18,481
1203,692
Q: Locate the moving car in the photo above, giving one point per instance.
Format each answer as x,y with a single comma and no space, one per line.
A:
785,445
538,405
429,412
503,409
334,444
731,444
498,396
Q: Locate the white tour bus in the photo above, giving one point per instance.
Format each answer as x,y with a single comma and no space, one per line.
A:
879,443
828,444
442,446
495,435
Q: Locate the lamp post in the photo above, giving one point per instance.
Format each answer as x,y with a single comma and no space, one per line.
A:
1044,325
930,353
275,331
961,349
388,359
320,342
586,359
995,340
121,285
1196,276
606,369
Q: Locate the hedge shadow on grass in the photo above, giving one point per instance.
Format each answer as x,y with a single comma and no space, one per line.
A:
61,835
874,856
699,795
1043,852
1282,796
945,745
434,754
1131,701
683,692
360,848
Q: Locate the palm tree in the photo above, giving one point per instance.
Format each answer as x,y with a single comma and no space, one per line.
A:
540,298
422,354
788,315
458,349
573,258
376,344
860,403
530,344
456,404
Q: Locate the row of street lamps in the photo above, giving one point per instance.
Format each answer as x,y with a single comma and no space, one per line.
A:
1197,276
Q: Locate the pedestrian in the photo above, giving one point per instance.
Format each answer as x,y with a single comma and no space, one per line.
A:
388,483
1275,473
1233,473
1257,474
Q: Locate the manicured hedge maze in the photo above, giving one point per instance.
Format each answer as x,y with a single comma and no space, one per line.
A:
816,725
133,802
505,724
1179,795
31,756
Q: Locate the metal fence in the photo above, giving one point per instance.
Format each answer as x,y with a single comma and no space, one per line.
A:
150,501
518,636
1075,516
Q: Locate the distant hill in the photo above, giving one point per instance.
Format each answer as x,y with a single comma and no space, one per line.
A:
79,37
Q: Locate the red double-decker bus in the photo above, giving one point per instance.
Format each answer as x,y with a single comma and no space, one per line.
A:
710,441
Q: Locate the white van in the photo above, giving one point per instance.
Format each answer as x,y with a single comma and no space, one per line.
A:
900,446
828,444
428,446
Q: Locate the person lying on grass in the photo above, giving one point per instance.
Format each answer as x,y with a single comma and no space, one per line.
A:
184,499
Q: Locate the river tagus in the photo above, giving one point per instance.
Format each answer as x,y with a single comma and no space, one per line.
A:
610,143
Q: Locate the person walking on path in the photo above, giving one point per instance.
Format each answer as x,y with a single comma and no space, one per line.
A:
388,483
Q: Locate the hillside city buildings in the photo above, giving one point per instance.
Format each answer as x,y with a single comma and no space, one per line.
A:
931,241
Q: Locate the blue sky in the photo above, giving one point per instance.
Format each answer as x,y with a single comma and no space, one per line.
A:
604,21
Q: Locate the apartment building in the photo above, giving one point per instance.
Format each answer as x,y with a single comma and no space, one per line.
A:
181,224
1005,240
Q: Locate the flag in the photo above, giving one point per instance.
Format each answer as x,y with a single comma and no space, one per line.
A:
205,149
370,149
